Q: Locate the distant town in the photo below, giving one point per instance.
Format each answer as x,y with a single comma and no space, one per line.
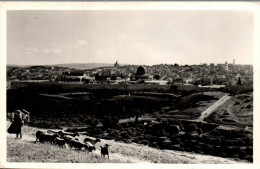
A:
162,74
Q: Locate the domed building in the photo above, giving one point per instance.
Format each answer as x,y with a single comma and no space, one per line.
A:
141,73
141,70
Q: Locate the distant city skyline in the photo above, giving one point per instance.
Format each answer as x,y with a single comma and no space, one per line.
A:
130,37
125,64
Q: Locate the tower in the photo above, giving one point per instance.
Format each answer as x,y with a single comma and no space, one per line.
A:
116,64
234,61
226,65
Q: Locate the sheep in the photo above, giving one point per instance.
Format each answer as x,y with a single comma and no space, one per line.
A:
50,137
79,145
38,135
45,137
75,144
68,137
91,147
63,133
53,131
104,150
60,142
91,140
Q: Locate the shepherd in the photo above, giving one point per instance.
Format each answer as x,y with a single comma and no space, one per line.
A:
16,126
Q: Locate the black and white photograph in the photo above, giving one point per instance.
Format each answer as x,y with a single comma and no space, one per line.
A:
129,85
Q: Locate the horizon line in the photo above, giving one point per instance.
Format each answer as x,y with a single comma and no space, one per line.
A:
119,64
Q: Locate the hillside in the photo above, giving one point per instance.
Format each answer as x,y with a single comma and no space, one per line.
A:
26,150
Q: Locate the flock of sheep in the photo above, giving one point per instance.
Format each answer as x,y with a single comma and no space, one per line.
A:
73,140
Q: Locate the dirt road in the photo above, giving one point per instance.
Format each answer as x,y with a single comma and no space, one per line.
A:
213,107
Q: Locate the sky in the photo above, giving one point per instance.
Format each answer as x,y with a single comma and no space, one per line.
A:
131,37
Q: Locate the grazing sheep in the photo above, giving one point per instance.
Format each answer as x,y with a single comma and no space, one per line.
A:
79,145
38,135
53,131
60,142
91,140
45,137
91,147
63,133
68,137
104,150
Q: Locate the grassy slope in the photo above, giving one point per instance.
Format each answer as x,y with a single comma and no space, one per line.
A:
21,151
25,150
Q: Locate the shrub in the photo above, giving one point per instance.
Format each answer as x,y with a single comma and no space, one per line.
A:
125,135
130,131
110,122
191,128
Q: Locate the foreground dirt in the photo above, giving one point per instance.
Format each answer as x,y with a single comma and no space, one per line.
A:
122,152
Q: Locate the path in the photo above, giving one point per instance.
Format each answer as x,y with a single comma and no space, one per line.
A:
213,107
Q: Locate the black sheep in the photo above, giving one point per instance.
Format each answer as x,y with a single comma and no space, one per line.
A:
79,145
104,150
91,140
45,137
60,142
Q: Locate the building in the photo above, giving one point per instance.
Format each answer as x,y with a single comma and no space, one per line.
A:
75,76
116,64
141,73
226,65
212,64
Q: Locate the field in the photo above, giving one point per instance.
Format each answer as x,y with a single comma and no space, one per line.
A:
237,112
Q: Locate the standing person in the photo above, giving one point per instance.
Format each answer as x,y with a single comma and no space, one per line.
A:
16,126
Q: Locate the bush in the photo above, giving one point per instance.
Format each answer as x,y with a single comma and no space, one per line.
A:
238,89
125,135
130,131
110,122
191,128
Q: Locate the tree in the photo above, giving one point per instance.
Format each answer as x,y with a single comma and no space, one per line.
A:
141,81
137,115
113,77
86,81
97,77
122,76
239,81
157,77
